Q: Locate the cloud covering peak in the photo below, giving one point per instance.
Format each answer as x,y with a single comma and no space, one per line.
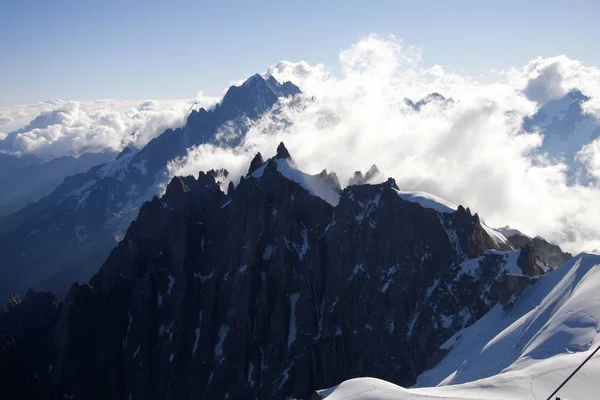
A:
471,151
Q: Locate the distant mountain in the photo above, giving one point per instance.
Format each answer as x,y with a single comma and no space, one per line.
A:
566,129
26,179
280,286
430,98
65,236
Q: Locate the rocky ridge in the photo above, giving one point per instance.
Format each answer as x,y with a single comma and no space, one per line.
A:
282,285
66,235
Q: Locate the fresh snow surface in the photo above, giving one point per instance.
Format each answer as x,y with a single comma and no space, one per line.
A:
471,267
116,166
557,316
258,173
314,184
428,200
496,236
522,353
318,187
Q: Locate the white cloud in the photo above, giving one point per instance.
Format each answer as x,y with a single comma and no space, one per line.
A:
471,152
307,76
57,128
590,156
544,79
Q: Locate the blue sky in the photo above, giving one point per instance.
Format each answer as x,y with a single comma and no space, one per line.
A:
78,50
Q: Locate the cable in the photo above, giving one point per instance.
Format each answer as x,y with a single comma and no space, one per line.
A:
573,373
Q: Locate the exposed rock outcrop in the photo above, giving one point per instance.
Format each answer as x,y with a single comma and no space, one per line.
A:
269,291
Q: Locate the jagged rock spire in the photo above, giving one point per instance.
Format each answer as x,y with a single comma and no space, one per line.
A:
392,183
282,152
372,172
332,179
256,162
360,179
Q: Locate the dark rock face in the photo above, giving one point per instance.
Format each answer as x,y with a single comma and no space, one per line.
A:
270,292
282,152
27,353
528,262
65,236
547,256
257,161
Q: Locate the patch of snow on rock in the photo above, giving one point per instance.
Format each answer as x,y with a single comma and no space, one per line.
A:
428,200
293,327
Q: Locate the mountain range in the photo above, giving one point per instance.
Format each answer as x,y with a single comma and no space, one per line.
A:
26,179
521,352
284,283
246,294
66,235
566,129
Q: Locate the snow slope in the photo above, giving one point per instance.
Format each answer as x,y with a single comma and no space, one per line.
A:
428,200
507,231
319,187
314,184
522,353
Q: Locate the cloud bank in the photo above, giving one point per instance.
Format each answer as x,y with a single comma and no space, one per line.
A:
472,151
58,128
545,79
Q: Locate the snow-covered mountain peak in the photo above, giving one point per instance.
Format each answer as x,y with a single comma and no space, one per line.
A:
254,80
254,96
568,106
566,128
509,232
318,185
428,99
